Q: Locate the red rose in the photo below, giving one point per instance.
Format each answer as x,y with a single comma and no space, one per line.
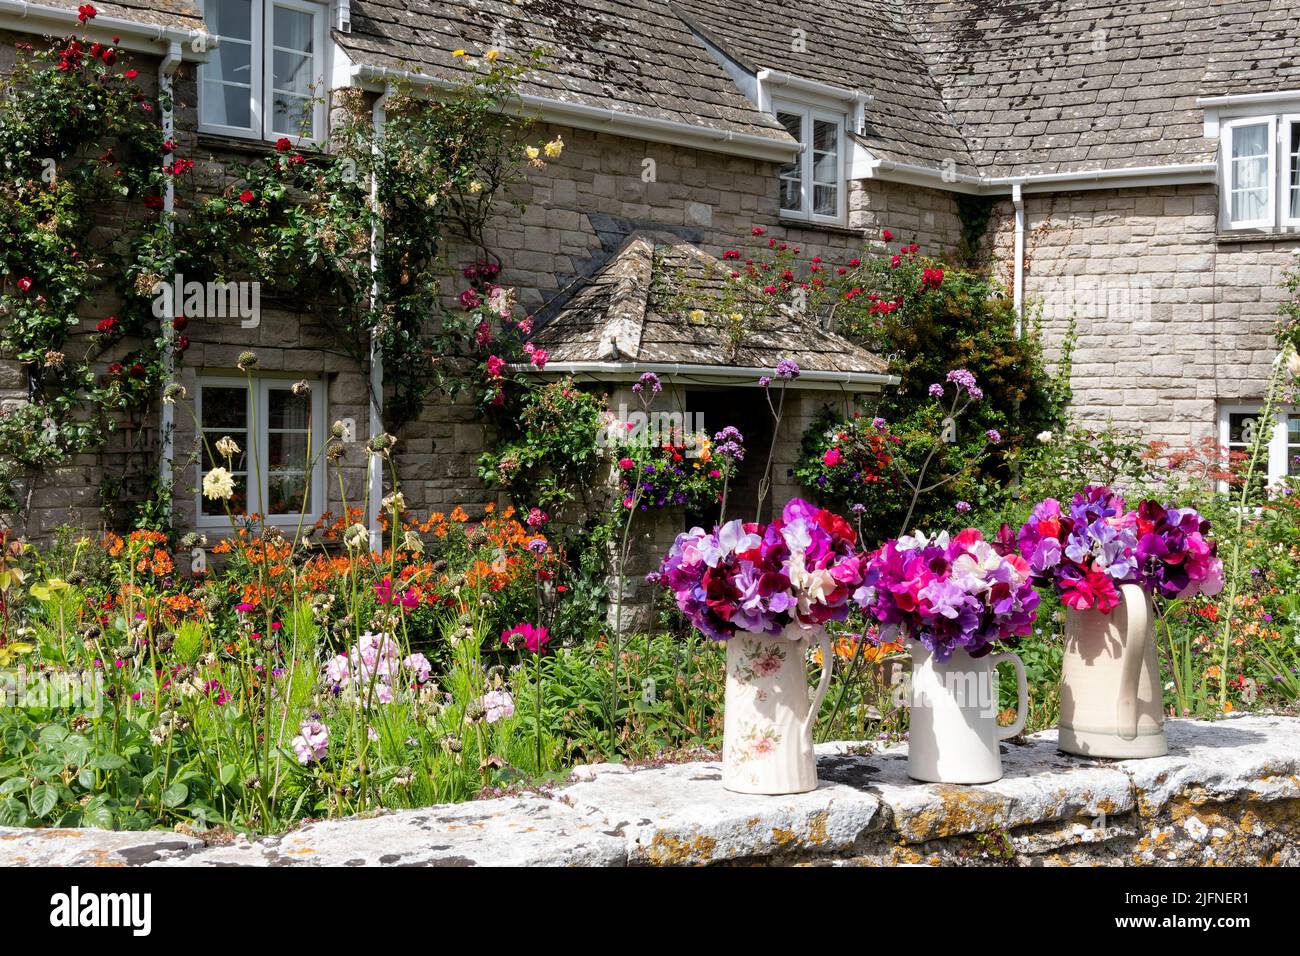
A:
886,235
180,322
137,370
757,231
25,283
246,196
131,75
108,326
86,12
282,145
115,368
182,343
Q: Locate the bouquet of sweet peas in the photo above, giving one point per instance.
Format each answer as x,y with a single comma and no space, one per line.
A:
802,568
949,591
1089,550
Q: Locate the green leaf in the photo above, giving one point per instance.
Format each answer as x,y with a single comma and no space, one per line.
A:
52,735
13,813
97,813
86,777
175,795
44,799
15,741
108,762
14,785
228,773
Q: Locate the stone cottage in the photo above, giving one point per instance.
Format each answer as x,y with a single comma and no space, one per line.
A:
1138,165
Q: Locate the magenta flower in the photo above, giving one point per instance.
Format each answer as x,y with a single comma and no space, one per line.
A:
312,742
534,639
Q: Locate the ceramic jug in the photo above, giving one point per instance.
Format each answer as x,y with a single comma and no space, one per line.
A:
954,734
768,718
1111,699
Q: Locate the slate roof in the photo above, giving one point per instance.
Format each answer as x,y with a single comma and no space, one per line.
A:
183,14
854,44
625,314
632,55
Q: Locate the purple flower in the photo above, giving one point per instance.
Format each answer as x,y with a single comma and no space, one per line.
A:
994,436
963,507
936,390
962,378
764,381
537,546
648,380
787,368
729,443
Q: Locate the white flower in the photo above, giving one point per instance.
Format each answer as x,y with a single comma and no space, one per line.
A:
532,152
218,484
356,536
554,148
475,187
395,500
1045,438
226,447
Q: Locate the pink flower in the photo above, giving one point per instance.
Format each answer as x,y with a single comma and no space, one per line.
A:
312,742
497,705
626,463
419,665
534,639
539,358
495,364
832,457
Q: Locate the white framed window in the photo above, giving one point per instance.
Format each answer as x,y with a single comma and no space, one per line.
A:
812,186
266,77
1290,169
1249,173
1238,427
280,469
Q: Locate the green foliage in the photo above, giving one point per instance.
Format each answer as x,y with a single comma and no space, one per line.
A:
551,455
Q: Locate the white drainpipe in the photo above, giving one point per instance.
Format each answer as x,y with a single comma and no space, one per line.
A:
167,423
1018,283
375,464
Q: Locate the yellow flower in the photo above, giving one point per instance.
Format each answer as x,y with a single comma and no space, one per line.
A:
696,316
532,152
475,187
491,55
458,53
555,147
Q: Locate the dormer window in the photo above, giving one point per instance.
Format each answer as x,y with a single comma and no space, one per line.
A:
812,186
266,77
1260,164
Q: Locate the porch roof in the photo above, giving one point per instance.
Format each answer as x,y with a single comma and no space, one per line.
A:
627,319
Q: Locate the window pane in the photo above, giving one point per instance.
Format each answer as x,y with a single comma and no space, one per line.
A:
227,105
1250,141
224,406
286,449
826,136
213,457
287,410
238,503
792,173
1242,428
285,491
291,115
1295,171
293,30
826,200
230,18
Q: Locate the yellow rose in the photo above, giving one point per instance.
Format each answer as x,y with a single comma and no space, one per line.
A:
555,147
491,55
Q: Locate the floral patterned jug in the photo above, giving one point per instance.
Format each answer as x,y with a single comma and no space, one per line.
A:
767,726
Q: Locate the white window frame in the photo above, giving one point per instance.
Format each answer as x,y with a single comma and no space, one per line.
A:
1270,177
261,69
1286,121
257,391
1279,449
810,114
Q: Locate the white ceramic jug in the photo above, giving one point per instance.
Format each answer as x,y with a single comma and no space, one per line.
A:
1112,704
767,744
954,732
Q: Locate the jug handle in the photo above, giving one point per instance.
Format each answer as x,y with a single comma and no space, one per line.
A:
1136,611
1022,694
823,685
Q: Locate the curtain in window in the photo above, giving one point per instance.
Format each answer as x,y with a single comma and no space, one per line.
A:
293,71
826,168
1250,185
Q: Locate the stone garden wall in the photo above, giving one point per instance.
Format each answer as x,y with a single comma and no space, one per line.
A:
1227,794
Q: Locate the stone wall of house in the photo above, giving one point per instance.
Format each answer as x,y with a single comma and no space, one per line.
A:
1172,319
917,214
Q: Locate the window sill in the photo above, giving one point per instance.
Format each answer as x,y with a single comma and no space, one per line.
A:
248,145
1226,238
839,229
